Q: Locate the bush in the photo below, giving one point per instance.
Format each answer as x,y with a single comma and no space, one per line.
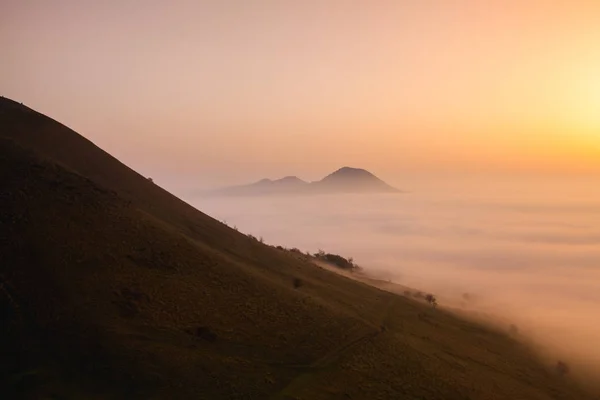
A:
431,300
298,283
562,368
338,260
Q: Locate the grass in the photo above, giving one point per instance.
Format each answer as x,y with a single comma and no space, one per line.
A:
124,291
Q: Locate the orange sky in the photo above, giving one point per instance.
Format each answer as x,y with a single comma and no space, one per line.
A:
238,90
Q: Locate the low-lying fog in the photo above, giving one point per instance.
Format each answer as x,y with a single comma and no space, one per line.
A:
527,253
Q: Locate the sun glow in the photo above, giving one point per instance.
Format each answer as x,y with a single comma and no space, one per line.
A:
584,103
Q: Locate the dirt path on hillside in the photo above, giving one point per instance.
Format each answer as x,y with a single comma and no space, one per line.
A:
364,334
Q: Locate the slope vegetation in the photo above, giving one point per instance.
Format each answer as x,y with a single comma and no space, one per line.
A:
110,287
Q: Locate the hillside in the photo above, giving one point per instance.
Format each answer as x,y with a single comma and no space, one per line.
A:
110,287
344,180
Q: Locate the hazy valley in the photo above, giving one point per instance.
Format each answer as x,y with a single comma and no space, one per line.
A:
510,252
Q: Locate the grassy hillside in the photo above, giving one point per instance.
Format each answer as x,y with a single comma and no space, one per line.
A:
110,287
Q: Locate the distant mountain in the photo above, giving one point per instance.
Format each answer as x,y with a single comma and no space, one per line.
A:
349,179
289,184
344,180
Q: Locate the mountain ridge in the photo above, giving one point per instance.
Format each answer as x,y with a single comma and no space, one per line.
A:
343,180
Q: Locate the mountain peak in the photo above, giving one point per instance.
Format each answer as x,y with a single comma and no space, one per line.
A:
355,180
265,181
352,171
291,178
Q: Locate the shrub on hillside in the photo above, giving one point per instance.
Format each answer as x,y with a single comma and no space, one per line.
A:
336,260
431,300
562,368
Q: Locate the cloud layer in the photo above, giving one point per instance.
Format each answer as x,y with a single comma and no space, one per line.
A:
533,263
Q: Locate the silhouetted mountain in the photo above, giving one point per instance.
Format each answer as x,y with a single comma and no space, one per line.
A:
287,185
349,179
344,180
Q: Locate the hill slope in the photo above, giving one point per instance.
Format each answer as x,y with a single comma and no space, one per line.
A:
110,287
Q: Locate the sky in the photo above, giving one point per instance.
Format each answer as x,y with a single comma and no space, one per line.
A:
221,92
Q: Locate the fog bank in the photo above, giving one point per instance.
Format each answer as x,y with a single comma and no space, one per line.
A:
526,254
